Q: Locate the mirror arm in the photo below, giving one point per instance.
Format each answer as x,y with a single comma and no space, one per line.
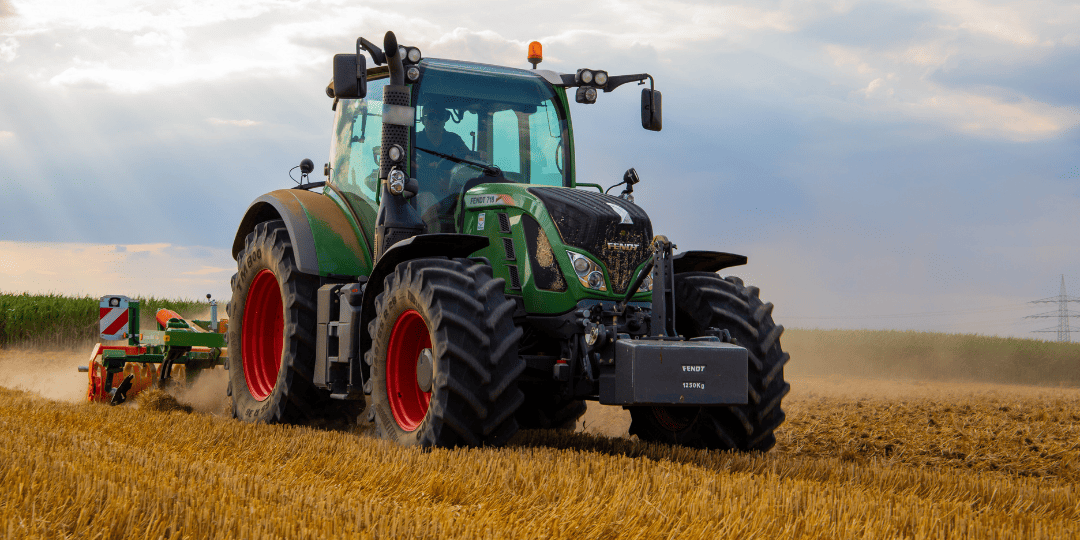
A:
377,54
619,80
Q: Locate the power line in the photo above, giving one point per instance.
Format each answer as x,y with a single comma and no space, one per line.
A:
1062,313
988,309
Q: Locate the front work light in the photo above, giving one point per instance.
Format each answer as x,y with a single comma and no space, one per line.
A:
585,94
395,153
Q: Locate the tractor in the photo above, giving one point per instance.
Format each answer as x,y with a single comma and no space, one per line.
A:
452,281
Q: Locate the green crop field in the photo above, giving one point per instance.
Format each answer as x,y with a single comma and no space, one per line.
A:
56,321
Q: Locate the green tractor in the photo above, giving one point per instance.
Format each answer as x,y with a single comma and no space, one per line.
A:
453,278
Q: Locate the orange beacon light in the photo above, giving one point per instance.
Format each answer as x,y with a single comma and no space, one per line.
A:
536,53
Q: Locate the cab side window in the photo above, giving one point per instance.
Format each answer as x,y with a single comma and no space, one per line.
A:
356,146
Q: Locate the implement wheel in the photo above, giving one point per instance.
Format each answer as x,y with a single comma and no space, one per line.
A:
444,359
704,300
272,336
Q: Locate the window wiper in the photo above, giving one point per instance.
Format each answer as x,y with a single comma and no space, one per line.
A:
490,170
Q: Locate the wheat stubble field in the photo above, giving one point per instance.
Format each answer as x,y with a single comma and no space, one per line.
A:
859,457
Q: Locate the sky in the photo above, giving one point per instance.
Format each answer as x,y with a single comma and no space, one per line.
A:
902,165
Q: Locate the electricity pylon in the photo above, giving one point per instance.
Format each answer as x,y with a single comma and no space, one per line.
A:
1062,313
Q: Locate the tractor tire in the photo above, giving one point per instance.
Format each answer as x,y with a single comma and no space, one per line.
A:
444,356
704,300
545,409
272,337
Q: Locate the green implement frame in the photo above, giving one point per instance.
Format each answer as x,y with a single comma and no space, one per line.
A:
150,356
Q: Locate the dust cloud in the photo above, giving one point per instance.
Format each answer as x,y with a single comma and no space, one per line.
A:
55,375
52,374
606,420
207,393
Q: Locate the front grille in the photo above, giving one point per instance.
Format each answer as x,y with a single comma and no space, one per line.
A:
515,278
545,270
586,220
508,247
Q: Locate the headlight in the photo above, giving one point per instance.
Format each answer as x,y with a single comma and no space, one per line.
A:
581,265
588,272
596,280
396,181
601,78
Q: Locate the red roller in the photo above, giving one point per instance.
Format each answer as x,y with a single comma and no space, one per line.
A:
163,316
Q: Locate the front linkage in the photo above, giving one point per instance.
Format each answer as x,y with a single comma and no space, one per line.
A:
634,354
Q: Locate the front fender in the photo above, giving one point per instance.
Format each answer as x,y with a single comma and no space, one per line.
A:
415,247
705,261
324,241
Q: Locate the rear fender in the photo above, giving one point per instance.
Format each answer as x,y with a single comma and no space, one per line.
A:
324,241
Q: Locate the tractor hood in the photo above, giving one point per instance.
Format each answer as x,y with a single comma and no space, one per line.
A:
614,231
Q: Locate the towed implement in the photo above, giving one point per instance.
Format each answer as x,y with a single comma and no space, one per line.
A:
454,276
178,348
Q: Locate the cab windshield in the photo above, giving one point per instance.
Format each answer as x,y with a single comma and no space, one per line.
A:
486,116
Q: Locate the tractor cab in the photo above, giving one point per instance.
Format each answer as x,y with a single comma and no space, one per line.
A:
472,123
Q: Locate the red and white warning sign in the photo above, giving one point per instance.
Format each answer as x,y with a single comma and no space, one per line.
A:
113,312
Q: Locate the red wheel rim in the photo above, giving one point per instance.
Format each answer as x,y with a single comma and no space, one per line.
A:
408,338
262,335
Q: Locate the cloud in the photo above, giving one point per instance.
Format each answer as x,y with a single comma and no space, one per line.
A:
238,123
1004,22
884,128
895,83
9,49
161,270
208,270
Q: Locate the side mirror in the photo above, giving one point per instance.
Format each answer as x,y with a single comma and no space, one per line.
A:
651,117
350,76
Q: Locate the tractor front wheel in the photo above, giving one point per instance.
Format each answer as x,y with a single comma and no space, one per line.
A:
705,300
444,359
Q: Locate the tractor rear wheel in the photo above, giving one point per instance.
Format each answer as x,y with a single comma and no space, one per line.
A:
272,336
444,356
704,300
